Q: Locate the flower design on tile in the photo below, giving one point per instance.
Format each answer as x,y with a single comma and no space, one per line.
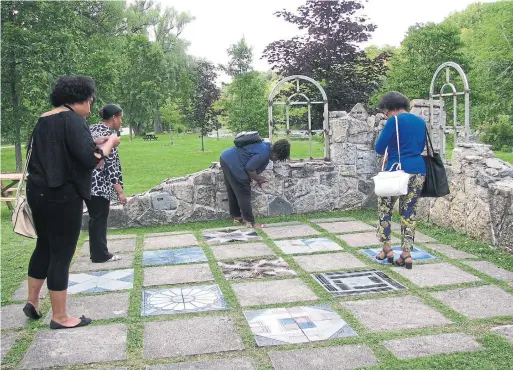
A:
181,300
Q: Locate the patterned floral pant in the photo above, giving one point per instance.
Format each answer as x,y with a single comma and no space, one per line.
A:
407,210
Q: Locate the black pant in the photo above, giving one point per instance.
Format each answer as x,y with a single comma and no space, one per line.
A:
98,208
57,214
239,195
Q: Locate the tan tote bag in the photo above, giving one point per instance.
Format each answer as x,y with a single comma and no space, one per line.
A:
21,218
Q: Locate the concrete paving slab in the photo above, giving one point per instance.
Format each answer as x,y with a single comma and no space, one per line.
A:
479,302
7,341
429,345
115,246
408,313
242,363
437,274
232,251
328,358
169,275
83,263
172,241
328,262
193,336
366,239
12,316
271,292
490,269
98,307
449,251
104,343
290,231
346,227
504,330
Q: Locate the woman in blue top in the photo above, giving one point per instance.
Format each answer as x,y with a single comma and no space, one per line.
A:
412,140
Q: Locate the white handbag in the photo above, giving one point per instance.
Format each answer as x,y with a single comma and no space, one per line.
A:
392,183
21,218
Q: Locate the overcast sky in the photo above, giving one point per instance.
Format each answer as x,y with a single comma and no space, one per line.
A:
221,23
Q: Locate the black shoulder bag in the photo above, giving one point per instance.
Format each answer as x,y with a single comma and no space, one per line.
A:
436,184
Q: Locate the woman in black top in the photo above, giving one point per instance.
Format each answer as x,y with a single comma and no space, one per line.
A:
107,185
64,155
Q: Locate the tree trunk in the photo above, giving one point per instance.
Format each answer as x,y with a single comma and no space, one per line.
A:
130,129
157,125
16,116
202,142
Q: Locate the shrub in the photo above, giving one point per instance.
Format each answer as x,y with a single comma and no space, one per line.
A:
498,134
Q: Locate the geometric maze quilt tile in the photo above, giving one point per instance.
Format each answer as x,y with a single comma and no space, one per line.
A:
183,300
259,268
230,236
341,284
174,256
417,254
278,326
101,281
298,246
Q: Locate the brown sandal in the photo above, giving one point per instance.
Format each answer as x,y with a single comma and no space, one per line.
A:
401,261
387,253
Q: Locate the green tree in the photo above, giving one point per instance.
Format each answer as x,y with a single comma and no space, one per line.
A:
423,49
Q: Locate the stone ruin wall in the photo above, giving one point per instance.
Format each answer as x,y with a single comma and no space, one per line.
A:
480,203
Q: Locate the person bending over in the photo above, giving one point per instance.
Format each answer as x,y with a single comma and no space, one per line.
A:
240,166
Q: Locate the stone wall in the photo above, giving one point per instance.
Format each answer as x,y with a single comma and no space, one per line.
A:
344,182
481,200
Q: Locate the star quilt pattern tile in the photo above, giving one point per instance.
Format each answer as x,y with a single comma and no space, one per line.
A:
101,281
174,256
230,236
303,246
303,324
183,300
417,254
341,284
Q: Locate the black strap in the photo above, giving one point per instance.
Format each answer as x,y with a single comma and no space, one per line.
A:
429,144
67,106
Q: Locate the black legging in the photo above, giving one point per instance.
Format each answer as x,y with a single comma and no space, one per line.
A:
98,209
239,195
57,214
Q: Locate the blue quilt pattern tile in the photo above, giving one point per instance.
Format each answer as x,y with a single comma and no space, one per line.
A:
417,254
294,325
174,256
183,300
100,281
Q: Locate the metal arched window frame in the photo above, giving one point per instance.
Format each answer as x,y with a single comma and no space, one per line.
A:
455,94
308,103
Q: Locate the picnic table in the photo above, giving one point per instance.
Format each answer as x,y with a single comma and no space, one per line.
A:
9,185
150,136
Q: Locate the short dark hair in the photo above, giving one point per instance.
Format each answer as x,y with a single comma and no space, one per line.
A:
282,149
394,101
109,110
72,89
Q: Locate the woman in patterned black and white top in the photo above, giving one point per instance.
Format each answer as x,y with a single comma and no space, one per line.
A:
107,185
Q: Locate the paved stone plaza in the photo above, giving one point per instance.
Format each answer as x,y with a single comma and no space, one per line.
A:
297,295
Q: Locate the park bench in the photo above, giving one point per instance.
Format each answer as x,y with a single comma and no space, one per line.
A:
150,136
9,187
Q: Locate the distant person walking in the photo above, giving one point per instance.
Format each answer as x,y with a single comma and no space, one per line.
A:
240,165
107,185
64,155
412,140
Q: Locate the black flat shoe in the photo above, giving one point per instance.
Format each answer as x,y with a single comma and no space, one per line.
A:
30,311
83,322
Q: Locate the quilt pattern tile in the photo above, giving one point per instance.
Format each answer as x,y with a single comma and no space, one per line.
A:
101,281
256,268
417,254
230,236
341,284
303,324
303,246
174,256
183,300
